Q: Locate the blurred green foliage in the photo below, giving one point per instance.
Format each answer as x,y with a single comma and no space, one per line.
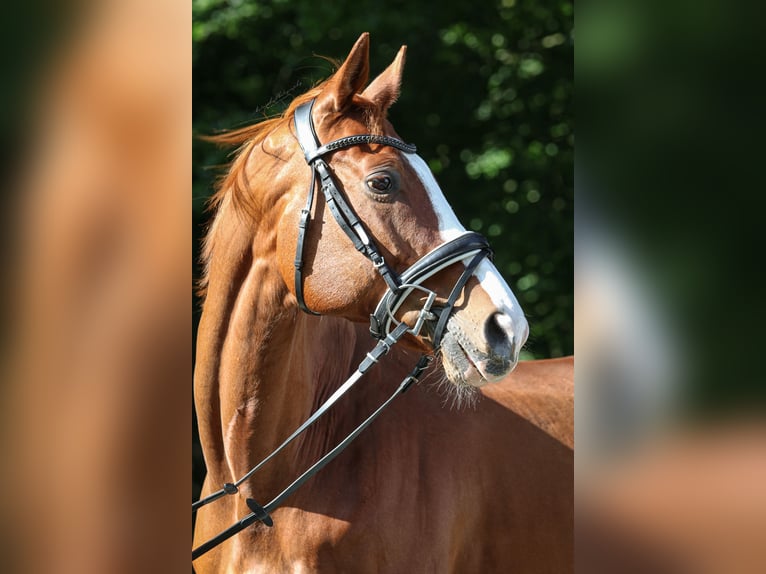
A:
672,163
487,97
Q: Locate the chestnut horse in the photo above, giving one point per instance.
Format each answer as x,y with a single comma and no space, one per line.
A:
425,488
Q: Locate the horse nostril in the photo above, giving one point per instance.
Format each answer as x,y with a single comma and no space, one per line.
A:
498,334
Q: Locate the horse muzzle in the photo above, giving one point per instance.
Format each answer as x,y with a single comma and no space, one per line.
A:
476,353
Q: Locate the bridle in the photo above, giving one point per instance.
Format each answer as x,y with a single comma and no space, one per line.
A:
469,248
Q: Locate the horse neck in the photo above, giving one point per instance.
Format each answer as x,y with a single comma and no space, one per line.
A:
262,366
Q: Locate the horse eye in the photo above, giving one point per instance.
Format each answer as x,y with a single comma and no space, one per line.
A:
380,183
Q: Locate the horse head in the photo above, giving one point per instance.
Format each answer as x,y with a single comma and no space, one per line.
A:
399,208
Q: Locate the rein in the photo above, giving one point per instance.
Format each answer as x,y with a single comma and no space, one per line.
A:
467,247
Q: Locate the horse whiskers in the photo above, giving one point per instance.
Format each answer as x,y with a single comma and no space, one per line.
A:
456,395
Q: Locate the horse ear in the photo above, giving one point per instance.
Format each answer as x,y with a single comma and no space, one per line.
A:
384,90
350,78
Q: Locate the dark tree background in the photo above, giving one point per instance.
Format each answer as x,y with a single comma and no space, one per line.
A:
487,97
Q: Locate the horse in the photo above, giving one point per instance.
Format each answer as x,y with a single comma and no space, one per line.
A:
292,287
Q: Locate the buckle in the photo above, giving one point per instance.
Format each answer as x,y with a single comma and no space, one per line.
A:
377,259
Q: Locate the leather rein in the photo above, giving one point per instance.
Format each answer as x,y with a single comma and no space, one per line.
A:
469,248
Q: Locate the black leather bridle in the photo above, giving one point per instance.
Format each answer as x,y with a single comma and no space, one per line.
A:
469,248
465,246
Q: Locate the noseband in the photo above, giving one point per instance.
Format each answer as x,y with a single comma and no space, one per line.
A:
469,248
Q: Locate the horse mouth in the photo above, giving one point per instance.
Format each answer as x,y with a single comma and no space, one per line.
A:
461,365
466,364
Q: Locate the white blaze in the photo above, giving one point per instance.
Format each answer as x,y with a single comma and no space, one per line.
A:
486,273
